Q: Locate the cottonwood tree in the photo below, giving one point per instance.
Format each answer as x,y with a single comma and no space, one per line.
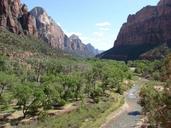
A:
29,98
6,82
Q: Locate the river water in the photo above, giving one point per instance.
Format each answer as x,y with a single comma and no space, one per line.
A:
130,116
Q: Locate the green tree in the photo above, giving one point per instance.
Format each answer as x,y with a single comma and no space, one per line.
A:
29,97
153,102
23,94
52,67
71,86
2,64
52,93
6,82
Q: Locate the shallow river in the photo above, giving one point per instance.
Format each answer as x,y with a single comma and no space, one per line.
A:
129,117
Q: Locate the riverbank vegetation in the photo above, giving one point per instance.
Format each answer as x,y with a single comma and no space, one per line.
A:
50,88
35,78
156,99
147,69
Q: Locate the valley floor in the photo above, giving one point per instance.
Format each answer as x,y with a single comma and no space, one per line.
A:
86,115
92,115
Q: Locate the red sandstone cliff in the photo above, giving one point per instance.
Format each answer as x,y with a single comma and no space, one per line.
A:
15,17
152,24
143,31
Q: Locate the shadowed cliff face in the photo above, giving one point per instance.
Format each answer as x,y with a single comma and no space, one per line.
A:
149,25
143,31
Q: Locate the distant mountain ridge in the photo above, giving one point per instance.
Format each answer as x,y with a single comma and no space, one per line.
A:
16,18
147,30
75,45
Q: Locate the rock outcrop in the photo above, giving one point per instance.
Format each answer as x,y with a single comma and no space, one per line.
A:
28,22
91,50
9,15
52,33
76,43
15,17
48,30
143,31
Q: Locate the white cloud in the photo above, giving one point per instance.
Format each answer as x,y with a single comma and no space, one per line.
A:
98,34
103,24
99,39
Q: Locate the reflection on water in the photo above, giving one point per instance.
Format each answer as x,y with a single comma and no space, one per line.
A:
134,113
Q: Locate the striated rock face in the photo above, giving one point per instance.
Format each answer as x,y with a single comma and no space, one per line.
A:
48,30
9,12
92,50
76,43
28,22
67,43
15,17
139,28
143,31
149,25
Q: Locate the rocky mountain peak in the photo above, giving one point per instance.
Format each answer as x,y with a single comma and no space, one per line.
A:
89,45
91,49
74,37
38,11
76,43
48,30
41,16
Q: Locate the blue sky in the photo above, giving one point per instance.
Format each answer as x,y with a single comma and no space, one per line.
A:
95,21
